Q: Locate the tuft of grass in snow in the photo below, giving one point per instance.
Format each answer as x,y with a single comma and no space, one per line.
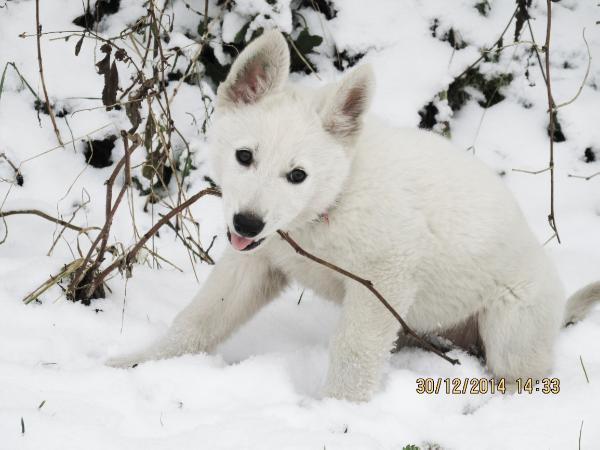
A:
21,77
584,371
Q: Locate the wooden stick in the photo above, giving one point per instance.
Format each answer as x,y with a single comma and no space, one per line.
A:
369,285
43,215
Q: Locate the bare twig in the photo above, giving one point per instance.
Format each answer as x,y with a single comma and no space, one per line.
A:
589,177
485,51
17,171
369,285
210,246
38,27
21,77
535,49
584,371
201,253
552,116
551,113
110,210
532,172
126,259
302,58
45,152
587,73
162,258
43,215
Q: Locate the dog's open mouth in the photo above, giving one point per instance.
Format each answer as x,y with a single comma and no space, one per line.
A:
242,243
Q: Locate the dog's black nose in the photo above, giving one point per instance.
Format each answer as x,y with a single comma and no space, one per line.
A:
247,225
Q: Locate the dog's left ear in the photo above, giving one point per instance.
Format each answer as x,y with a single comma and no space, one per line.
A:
347,102
263,67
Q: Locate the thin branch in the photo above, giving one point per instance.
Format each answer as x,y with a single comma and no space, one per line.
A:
587,73
550,239
584,371
201,253
552,116
110,211
45,152
301,295
43,215
57,238
301,56
369,285
589,177
18,174
496,44
162,258
38,27
532,172
212,242
535,48
126,259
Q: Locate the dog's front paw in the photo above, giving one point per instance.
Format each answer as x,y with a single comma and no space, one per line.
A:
341,392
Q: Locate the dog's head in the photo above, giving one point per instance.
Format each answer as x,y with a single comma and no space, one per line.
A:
281,155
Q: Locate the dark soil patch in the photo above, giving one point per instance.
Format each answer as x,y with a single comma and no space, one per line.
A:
98,152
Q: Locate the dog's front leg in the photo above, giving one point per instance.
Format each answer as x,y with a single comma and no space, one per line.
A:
360,346
237,288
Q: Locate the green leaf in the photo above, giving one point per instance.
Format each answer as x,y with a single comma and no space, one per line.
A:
306,42
240,35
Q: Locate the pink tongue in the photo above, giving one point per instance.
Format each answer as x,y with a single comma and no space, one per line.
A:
239,242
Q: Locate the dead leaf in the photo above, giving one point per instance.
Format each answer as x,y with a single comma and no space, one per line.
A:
111,81
78,45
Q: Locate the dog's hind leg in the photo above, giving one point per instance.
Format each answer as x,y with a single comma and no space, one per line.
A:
237,288
518,331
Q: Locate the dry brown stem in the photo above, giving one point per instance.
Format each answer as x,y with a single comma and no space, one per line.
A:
551,113
126,260
110,208
38,27
43,215
369,285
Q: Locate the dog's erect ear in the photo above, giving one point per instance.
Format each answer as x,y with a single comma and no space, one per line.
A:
263,67
347,102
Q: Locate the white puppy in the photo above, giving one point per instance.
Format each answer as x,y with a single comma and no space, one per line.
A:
438,234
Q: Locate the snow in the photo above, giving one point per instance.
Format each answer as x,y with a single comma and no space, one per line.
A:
261,388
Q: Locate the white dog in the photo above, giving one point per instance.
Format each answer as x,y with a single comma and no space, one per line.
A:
438,234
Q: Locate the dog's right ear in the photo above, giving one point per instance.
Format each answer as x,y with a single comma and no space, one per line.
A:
262,68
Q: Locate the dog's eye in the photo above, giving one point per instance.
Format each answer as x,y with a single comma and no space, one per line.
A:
244,156
296,176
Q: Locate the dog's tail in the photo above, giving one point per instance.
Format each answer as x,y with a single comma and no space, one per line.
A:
580,303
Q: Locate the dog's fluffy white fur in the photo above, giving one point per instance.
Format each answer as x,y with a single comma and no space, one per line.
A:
438,234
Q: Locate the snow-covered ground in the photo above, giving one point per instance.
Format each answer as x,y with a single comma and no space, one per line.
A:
260,390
